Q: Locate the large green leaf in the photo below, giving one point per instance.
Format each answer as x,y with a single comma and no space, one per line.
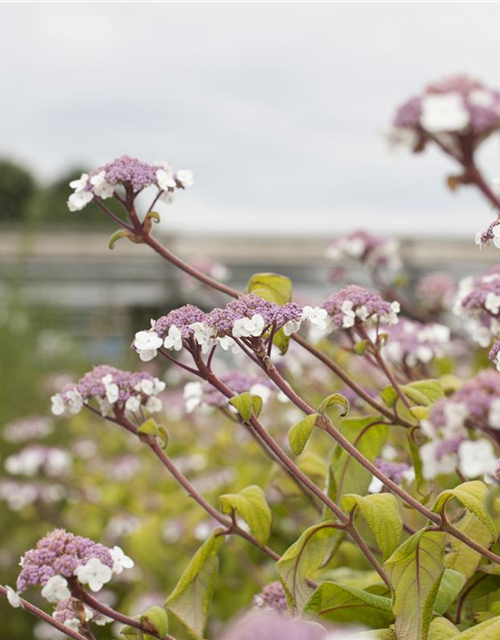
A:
346,475
451,585
300,432
423,392
488,630
472,495
442,629
381,512
251,505
345,604
379,634
302,559
155,620
460,556
190,599
271,286
415,571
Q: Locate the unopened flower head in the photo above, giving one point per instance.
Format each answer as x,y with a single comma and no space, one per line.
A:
113,390
414,343
354,306
478,304
436,291
272,597
456,105
57,557
363,246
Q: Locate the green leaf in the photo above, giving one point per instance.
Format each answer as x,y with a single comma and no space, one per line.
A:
381,512
361,346
461,557
488,630
379,634
451,585
271,286
251,505
389,396
149,428
346,475
423,392
282,341
190,599
302,559
300,432
415,571
155,620
247,405
420,413
163,435
131,633
472,495
335,400
442,629
345,604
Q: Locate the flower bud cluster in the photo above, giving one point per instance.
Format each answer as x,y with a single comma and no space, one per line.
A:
413,343
478,304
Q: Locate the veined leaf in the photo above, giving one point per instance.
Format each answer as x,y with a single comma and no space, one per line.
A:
379,634
472,495
247,405
346,475
302,559
251,505
487,630
155,619
300,432
451,585
271,286
335,400
442,629
423,392
381,512
461,557
415,571
389,396
345,604
190,599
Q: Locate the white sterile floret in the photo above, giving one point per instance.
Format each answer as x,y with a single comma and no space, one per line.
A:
193,395
292,326
492,302
247,327
163,164
478,237
72,623
94,573
353,247
226,342
185,177
392,316
101,187
444,112
111,388
349,316
120,560
146,344
376,485
56,589
154,404
480,98
477,458
316,316
80,184
78,201
173,339
165,180
494,413
58,407
203,335
455,414
13,597
146,386
133,404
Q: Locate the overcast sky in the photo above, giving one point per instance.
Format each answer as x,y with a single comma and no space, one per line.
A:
278,108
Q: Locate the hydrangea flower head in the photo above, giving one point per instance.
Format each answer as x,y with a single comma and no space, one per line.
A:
436,291
272,597
456,105
355,305
414,343
113,390
74,614
59,554
374,251
478,304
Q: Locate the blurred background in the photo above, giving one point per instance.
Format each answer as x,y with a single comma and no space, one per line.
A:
282,112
